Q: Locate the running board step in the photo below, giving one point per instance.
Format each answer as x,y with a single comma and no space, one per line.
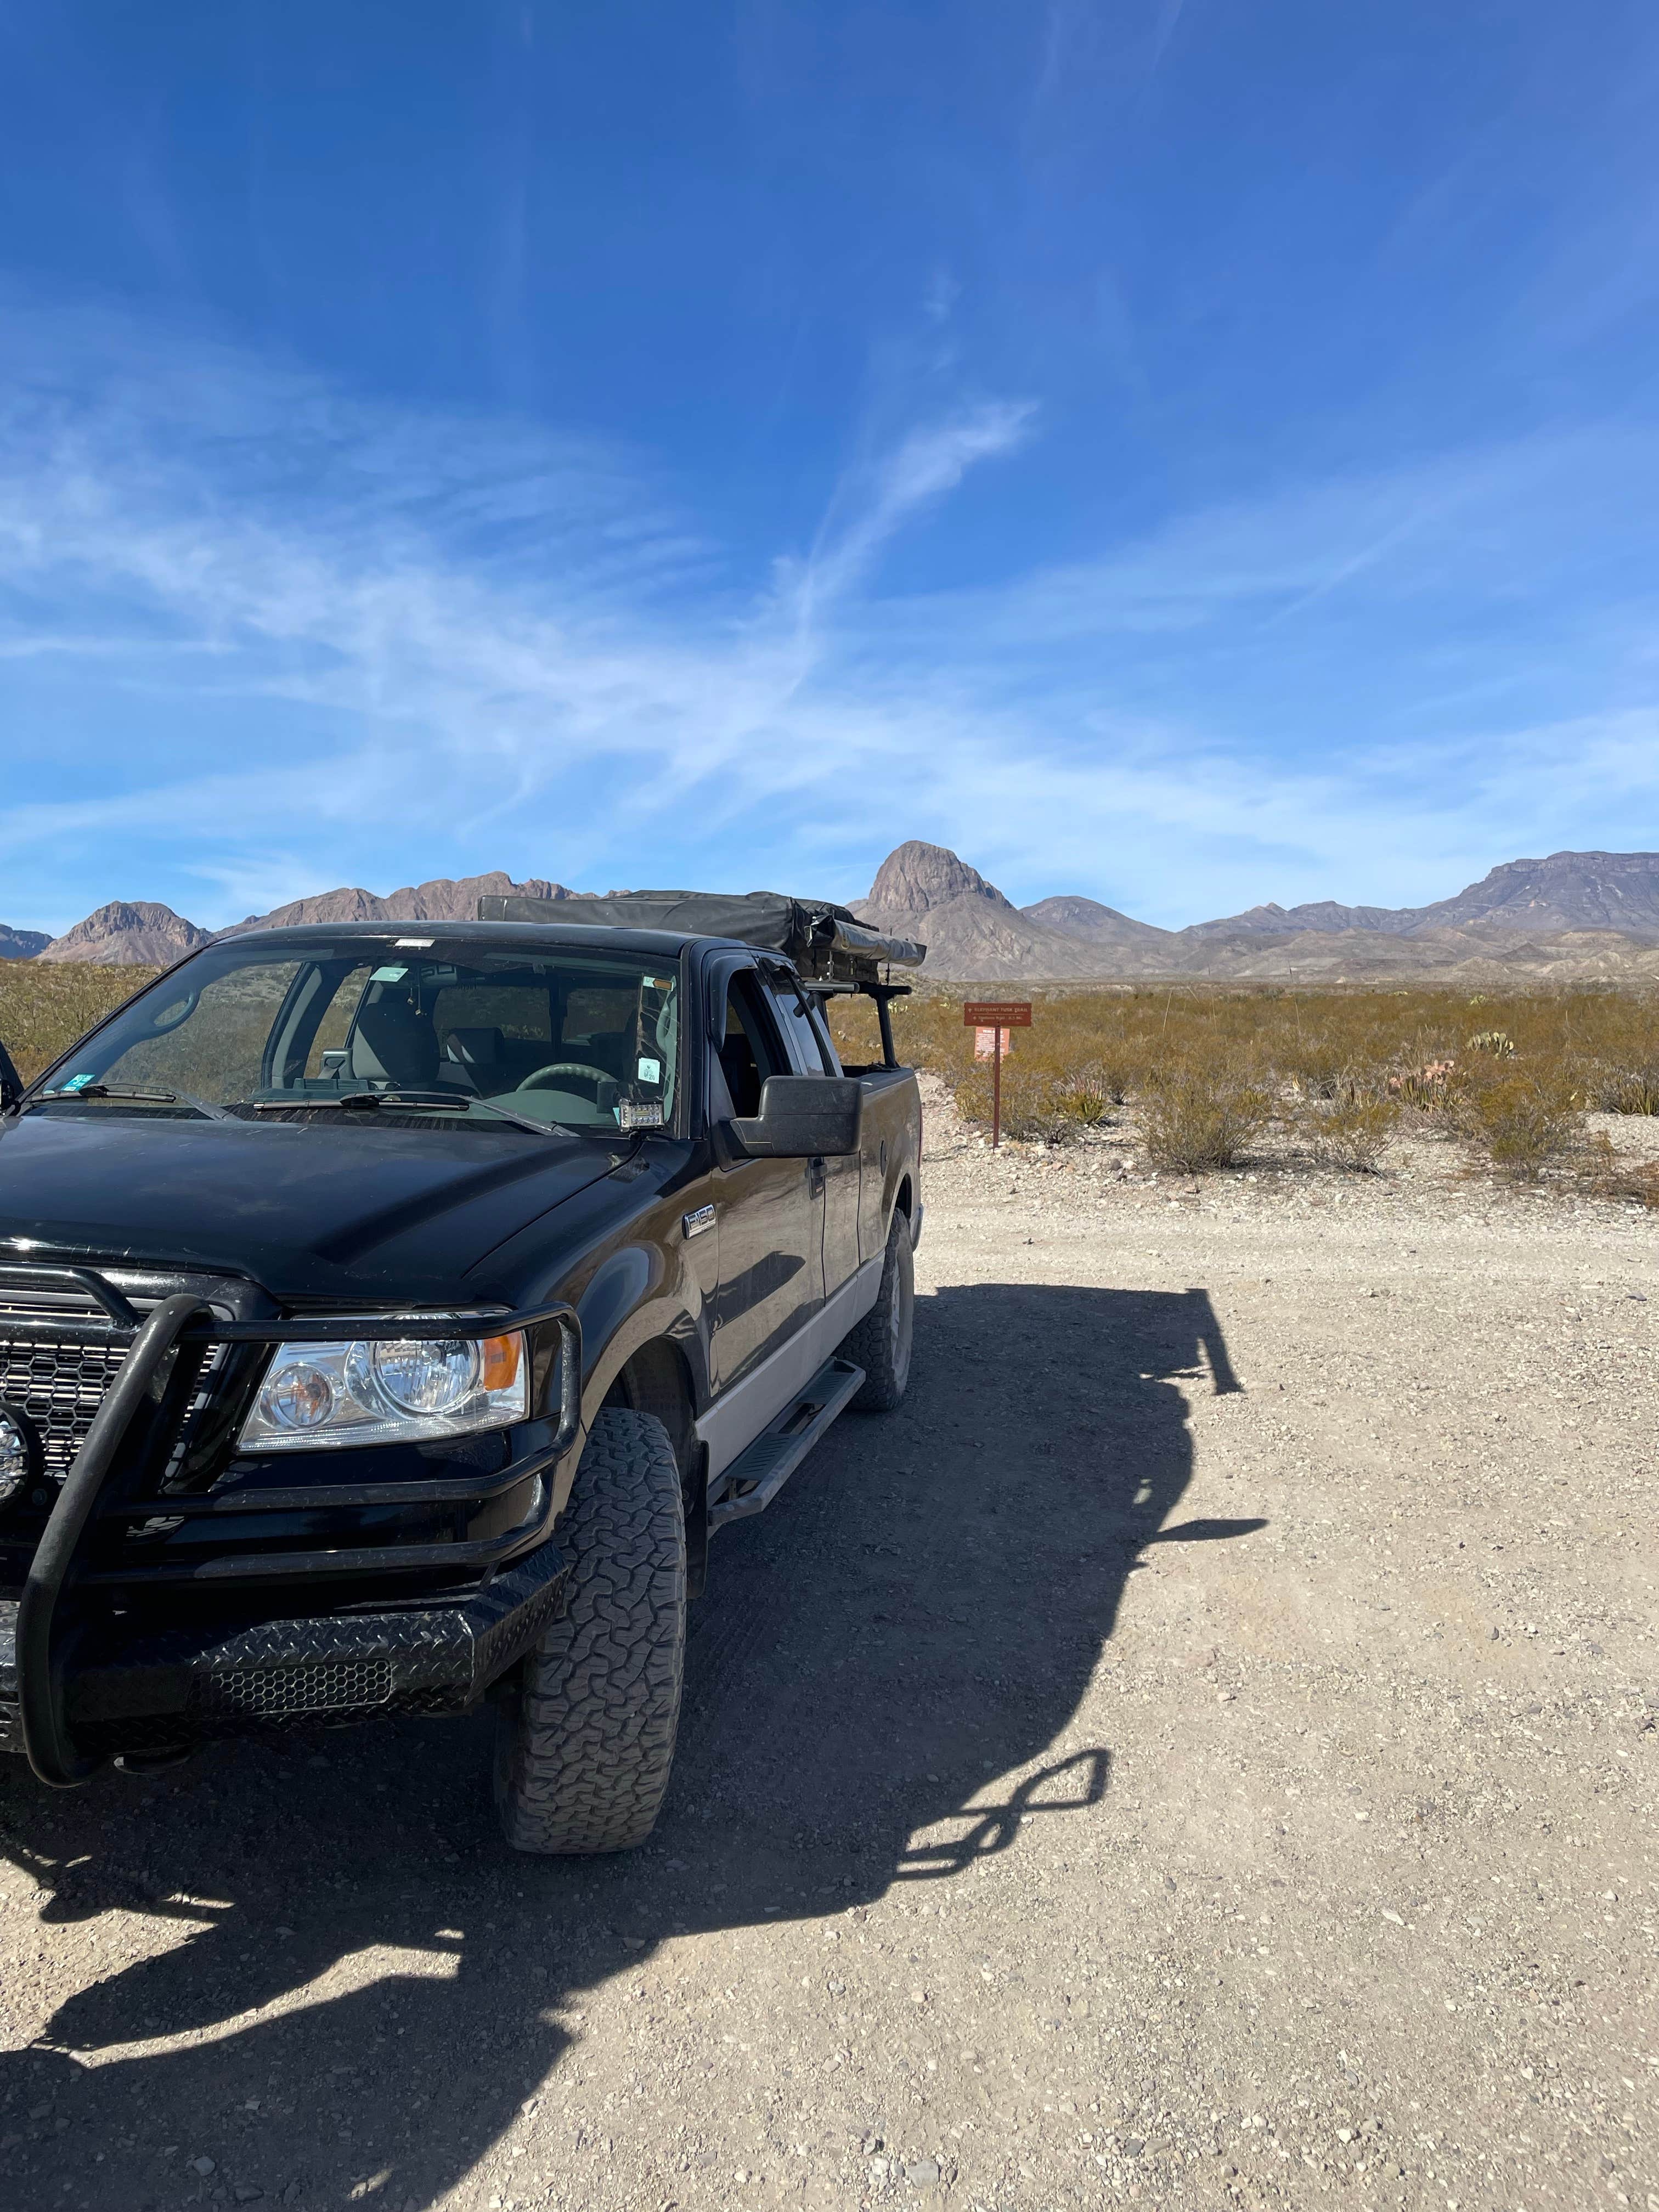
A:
755,1476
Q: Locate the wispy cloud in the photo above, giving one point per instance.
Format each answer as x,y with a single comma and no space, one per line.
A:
875,502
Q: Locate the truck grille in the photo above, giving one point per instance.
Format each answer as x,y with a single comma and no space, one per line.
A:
60,1387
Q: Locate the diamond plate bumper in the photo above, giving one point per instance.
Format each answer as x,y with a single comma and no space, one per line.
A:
185,1686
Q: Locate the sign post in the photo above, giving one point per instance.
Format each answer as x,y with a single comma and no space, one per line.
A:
997,1014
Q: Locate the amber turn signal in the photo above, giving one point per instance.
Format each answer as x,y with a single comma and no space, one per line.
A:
501,1356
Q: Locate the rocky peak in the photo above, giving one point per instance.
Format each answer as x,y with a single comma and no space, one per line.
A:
136,934
916,877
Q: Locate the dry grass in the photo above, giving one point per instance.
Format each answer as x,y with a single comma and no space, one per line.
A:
1343,1071
46,1004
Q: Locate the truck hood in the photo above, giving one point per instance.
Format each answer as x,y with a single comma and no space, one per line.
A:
366,1210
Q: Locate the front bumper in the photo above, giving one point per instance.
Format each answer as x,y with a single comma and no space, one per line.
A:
105,1655
170,1691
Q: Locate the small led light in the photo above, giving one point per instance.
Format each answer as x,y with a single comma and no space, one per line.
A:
297,1396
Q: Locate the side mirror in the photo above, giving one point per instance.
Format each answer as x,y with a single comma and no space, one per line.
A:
11,1083
803,1117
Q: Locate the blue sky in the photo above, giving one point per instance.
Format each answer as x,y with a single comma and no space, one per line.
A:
1185,454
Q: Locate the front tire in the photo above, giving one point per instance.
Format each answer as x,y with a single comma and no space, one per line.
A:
880,1344
583,1750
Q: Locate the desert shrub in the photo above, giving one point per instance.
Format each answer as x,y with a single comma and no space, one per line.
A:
1497,1044
1316,1065
1196,1116
1623,1089
1522,1123
45,1005
1042,1096
1087,1102
1607,1174
1354,1132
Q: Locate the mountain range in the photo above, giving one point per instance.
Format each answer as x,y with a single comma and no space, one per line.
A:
1573,916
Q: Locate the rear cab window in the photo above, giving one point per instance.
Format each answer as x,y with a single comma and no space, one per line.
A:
801,1023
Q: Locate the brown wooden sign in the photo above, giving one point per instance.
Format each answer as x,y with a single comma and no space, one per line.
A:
997,1015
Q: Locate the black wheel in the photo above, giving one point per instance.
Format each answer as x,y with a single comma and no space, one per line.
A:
584,1747
880,1345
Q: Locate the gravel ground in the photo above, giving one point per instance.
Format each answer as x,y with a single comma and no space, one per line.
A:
1201,1752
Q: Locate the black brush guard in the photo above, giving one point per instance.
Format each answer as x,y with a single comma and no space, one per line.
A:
174,1688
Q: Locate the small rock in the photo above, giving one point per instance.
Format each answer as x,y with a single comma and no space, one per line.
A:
245,2192
923,2173
203,2166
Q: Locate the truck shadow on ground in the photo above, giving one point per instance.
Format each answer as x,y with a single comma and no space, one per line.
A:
352,1986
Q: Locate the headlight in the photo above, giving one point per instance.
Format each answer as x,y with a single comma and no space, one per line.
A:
319,1395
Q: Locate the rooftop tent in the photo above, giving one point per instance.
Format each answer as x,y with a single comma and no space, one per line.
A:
825,943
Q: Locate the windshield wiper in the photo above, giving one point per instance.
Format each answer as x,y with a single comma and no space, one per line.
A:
142,1097
446,1102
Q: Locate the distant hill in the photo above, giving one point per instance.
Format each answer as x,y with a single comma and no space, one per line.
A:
444,899
21,944
1567,891
124,935
1098,925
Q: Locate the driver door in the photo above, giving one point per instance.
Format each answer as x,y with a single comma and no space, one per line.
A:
770,1212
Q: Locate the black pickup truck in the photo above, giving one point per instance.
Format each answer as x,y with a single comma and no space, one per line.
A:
390,1313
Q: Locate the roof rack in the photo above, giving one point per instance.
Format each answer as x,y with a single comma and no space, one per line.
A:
827,944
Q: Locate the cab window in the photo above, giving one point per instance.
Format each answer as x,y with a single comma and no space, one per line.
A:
810,1052
750,1049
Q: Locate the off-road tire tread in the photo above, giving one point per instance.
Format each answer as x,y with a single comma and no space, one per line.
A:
869,1343
584,1751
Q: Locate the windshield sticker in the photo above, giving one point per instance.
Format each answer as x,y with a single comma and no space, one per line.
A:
388,976
641,1117
77,1082
650,1070
413,945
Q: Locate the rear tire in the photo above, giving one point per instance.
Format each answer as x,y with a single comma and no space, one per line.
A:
583,1750
880,1345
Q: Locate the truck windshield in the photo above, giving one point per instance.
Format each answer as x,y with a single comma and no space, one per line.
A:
585,1040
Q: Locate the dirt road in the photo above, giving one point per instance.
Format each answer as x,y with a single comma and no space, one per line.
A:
1201,1751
